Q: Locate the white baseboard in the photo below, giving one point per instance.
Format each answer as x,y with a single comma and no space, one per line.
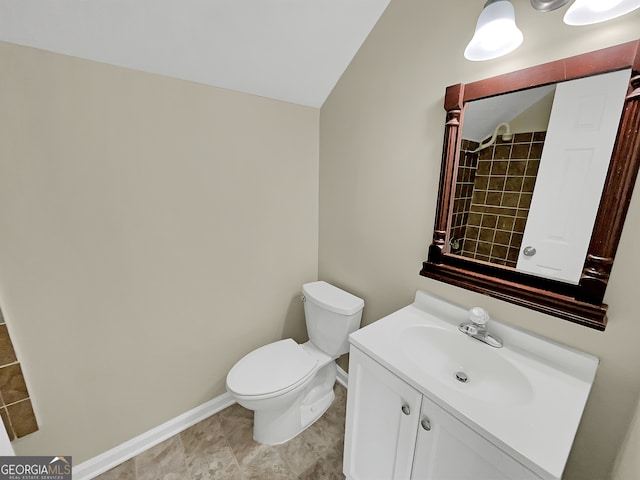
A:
342,377
127,450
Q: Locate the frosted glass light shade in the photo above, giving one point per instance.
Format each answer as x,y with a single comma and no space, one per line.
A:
496,32
586,12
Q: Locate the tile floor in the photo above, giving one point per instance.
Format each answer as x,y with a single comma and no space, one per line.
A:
222,447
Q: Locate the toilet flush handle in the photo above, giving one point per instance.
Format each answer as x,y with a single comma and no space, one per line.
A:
303,298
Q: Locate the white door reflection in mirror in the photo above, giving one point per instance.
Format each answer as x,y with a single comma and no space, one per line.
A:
6,450
582,130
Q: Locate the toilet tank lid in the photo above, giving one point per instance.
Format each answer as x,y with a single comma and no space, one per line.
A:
332,298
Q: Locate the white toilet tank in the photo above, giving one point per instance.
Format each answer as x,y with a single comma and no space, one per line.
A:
331,315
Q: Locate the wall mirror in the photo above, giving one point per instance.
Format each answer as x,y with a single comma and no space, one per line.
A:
537,174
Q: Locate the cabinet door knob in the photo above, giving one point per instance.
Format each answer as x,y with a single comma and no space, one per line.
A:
426,424
405,409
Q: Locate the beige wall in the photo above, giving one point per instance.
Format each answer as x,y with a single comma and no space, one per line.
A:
381,134
153,232
627,466
535,118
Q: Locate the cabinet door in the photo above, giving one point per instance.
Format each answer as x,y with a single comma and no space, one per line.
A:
382,422
446,449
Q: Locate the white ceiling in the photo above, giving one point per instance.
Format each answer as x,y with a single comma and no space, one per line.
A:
291,50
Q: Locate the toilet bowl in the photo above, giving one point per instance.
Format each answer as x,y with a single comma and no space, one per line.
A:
287,385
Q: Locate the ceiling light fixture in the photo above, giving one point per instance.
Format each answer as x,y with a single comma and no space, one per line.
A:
587,12
496,32
548,5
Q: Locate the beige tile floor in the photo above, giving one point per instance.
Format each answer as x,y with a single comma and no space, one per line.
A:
222,447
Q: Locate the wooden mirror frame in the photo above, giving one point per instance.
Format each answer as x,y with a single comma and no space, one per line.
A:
581,303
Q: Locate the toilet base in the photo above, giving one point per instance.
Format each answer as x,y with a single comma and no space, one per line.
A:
273,427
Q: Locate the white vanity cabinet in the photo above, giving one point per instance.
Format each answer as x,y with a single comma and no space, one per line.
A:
394,432
382,418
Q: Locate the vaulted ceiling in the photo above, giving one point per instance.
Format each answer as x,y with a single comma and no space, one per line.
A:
290,50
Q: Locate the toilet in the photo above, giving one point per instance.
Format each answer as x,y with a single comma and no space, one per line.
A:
287,385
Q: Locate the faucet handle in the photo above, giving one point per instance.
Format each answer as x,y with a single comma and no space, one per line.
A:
478,316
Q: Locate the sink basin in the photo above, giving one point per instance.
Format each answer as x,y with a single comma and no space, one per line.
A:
527,397
465,364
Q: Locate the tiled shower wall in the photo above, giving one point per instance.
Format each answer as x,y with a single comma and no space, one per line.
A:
467,165
495,211
15,405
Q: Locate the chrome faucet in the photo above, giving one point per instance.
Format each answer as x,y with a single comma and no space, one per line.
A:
476,327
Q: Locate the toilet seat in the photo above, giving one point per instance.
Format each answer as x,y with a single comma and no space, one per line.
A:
271,370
